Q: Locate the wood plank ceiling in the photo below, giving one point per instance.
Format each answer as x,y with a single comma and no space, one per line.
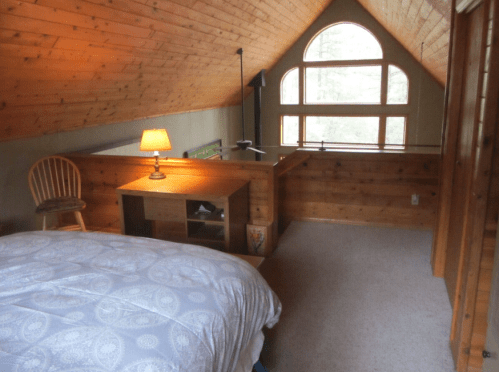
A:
413,22
68,64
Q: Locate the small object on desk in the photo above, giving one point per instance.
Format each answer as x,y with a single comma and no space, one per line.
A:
202,215
206,206
203,211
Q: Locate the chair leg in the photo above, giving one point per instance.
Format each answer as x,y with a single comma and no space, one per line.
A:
44,222
79,218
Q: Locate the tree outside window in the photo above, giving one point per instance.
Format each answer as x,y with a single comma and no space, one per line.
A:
349,92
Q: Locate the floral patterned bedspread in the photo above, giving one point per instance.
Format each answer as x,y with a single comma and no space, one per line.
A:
73,301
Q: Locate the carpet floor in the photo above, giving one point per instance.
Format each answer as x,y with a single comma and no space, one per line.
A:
356,299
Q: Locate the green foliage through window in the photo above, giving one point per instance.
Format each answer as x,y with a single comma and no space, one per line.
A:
350,93
342,129
341,42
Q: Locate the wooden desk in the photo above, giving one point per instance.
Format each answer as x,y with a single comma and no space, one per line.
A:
168,209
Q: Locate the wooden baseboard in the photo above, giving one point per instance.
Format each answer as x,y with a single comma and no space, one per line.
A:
360,223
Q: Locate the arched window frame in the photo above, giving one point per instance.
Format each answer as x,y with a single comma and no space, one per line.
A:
383,110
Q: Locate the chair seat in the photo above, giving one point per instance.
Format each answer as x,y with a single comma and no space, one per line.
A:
62,204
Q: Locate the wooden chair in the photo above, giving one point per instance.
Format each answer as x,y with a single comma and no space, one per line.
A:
56,187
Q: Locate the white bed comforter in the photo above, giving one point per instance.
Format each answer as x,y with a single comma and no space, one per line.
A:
72,301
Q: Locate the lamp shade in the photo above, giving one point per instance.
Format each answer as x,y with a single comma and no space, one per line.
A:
155,140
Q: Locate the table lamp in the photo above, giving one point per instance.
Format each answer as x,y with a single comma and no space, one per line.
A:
155,140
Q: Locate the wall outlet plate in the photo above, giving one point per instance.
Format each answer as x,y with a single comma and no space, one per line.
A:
415,199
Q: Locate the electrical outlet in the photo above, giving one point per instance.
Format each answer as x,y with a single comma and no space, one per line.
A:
415,199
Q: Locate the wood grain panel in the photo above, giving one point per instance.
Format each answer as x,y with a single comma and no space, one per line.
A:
473,205
83,51
413,22
488,145
361,188
466,140
92,46
449,144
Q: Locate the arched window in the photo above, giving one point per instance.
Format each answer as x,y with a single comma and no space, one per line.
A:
350,95
343,42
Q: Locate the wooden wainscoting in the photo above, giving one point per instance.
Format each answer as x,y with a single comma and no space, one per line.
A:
102,174
360,188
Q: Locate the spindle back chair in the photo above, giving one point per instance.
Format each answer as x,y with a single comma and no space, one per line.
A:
55,184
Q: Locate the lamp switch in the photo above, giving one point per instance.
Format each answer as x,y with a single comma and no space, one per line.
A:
415,199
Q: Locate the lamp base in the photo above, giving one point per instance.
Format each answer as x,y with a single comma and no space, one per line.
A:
157,176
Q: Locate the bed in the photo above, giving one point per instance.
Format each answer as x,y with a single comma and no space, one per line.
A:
74,301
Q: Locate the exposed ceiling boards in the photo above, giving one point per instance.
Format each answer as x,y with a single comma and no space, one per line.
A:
67,64
413,22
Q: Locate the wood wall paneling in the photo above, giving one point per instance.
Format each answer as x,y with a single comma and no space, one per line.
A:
452,107
470,167
362,188
464,161
481,260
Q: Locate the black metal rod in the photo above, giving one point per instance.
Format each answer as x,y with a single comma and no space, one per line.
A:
257,83
240,52
367,144
258,122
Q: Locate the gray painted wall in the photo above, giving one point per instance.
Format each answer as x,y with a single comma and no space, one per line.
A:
185,130
425,132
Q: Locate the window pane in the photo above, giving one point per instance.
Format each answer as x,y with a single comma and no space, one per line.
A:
395,130
342,129
344,41
289,88
290,132
398,86
353,84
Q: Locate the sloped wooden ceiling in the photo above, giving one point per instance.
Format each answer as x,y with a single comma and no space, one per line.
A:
413,22
68,64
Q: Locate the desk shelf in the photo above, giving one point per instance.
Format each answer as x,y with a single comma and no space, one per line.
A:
203,231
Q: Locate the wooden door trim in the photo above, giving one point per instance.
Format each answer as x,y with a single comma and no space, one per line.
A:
449,144
479,195
459,345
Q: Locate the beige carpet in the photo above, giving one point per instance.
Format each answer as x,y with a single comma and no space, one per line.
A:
356,299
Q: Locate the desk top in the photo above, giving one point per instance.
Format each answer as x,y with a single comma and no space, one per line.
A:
183,185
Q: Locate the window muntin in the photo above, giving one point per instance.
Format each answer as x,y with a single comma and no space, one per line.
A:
343,85
398,86
290,128
342,129
338,87
343,41
289,87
